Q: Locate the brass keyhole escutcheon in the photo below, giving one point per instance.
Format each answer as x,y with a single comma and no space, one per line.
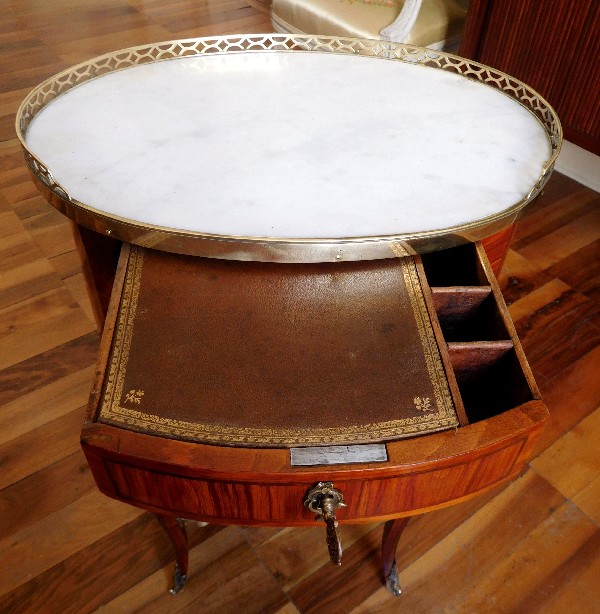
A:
323,499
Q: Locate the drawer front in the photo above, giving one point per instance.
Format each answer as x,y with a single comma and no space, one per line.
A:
256,502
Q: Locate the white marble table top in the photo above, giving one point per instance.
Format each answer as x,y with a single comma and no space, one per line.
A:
290,145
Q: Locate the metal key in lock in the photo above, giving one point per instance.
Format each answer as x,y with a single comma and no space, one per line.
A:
323,499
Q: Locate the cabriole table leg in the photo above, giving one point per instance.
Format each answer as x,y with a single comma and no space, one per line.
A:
392,531
175,529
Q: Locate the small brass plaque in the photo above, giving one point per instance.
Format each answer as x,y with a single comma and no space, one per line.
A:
338,455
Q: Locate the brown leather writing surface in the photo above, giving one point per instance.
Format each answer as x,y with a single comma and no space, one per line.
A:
265,354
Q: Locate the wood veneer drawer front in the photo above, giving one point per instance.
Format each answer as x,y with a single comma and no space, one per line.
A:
260,501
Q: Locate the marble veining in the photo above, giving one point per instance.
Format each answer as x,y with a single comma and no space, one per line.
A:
291,145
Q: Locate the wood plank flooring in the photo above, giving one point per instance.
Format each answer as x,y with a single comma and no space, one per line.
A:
532,546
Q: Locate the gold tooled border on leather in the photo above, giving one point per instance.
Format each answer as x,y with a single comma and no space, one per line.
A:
441,416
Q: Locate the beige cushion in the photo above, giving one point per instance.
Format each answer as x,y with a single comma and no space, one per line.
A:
438,20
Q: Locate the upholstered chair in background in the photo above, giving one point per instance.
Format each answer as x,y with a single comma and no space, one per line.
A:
436,24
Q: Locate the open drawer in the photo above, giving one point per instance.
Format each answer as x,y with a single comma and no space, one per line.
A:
148,461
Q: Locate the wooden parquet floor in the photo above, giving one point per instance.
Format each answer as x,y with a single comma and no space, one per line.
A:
533,546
